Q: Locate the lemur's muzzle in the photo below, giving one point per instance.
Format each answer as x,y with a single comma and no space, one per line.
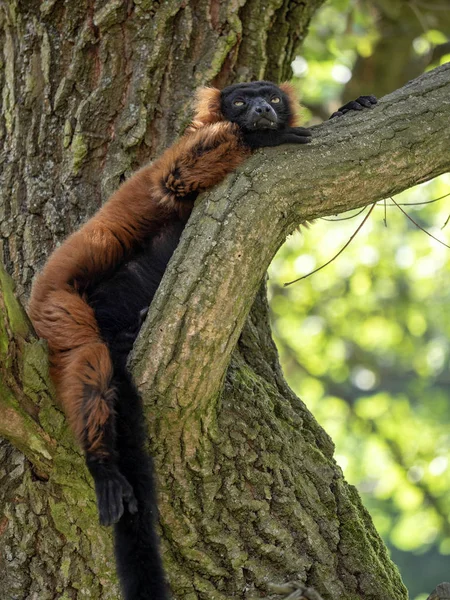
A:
262,116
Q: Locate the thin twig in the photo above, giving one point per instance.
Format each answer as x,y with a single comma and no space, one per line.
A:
385,204
419,226
340,251
419,203
344,218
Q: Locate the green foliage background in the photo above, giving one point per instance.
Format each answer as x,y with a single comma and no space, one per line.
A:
366,341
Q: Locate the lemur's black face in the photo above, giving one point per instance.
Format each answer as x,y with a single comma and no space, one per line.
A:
255,106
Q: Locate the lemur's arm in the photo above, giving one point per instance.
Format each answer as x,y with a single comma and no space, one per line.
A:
199,160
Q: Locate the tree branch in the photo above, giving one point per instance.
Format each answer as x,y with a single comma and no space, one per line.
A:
184,350
229,242
236,229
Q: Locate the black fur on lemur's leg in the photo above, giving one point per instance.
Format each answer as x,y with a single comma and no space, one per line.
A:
120,305
91,297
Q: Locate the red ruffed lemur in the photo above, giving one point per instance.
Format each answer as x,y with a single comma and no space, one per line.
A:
92,295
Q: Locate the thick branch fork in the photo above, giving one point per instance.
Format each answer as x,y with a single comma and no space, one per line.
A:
236,229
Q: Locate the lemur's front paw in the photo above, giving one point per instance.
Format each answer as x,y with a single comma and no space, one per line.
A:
358,104
113,491
302,133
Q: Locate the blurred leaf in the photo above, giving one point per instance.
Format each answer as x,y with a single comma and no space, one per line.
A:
365,341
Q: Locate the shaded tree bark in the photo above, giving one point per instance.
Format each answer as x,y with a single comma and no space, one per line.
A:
393,61
90,91
249,490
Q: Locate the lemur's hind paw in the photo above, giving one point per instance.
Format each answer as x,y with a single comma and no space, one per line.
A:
113,493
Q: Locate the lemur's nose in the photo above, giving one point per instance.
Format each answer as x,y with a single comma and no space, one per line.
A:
262,115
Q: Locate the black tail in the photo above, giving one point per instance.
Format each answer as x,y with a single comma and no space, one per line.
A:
138,559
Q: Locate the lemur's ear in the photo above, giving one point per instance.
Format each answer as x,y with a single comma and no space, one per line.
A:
294,104
207,107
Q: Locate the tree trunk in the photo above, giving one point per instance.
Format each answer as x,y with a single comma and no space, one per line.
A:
249,491
250,494
91,90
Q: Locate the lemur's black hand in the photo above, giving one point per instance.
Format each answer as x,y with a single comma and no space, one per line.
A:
301,132
263,138
358,104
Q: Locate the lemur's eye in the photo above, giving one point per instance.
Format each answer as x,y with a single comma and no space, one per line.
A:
275,100
238,103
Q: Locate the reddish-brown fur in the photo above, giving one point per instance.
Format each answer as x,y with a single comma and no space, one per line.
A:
80,360
294,105
114,263
207,109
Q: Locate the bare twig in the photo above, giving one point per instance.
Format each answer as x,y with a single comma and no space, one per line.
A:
340,251
418,203
419,226
344,218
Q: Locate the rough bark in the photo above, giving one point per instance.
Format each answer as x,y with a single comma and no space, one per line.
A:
252,491
50,544
442,592
91,90
24,383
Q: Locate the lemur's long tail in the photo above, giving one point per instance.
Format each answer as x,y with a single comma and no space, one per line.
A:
136,543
